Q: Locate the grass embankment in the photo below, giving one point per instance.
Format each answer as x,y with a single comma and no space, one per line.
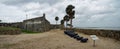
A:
9,31
13,28
8,28
29,32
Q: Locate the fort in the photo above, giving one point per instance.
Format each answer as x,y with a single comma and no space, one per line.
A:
38,24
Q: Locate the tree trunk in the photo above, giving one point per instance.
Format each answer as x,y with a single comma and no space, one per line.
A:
71,23
66,26
56,25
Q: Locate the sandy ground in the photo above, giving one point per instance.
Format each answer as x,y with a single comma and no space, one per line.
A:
54,39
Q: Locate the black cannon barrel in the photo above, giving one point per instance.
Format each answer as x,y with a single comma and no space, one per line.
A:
84,40
75,36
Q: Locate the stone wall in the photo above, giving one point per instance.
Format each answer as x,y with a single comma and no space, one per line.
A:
10,32
54,26
38,24
115,34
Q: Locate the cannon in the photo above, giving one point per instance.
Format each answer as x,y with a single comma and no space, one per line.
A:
79,38
84,40
70,33
75,36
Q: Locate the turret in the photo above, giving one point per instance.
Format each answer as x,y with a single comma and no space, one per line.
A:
44,15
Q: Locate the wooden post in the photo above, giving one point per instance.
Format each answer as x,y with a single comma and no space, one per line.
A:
93,43
94,38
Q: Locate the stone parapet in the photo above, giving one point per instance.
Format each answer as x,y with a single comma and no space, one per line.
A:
115,34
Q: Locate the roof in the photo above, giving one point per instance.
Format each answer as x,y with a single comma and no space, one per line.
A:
35,18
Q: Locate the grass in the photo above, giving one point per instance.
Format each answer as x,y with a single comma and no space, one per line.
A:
13,28
28,32
8,28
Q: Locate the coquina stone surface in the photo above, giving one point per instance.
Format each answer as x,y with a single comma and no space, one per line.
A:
115,34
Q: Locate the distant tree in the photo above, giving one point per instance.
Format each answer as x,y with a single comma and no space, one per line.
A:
56,18
70,12
0,20
62,24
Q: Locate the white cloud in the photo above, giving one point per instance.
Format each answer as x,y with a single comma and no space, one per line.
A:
11,13
89,13
31,6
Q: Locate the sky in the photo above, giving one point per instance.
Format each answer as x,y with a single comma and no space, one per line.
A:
89,13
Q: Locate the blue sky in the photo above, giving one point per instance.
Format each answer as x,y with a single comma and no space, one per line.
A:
89,13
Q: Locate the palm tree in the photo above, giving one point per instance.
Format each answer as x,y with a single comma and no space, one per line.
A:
70,12
62,24
0,20
56,18
66,18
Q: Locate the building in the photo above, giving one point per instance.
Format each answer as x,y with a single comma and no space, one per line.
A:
39,24
5,24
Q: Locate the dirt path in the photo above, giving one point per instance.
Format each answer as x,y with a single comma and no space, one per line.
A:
54,39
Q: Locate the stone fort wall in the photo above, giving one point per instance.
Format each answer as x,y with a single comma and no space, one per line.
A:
115,34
